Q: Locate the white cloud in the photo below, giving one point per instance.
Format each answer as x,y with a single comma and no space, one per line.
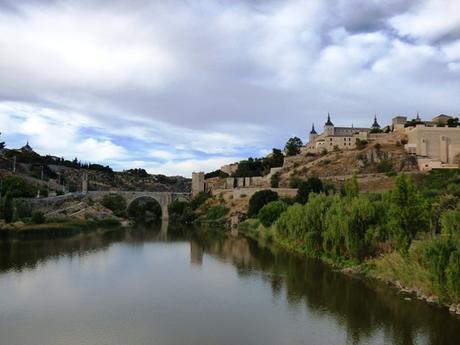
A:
430,20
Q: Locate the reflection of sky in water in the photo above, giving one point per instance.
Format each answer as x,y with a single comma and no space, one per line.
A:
156,293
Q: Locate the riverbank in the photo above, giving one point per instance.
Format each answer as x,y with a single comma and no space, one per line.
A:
56,229
404,273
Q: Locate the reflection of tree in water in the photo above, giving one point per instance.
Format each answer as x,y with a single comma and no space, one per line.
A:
361,306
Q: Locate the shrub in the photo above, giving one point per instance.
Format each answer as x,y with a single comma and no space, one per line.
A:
275,180
361,144
450,222
116,203
295,182
453,274
271,212
312,185
216,212
435,258
8,208
199,200
176,208
259,200
38,217
384,166
22,209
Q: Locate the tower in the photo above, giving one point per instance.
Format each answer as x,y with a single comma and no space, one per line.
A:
375,125
329,126
313,134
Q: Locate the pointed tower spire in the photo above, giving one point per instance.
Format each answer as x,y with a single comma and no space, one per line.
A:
313,129
418,116
375,125
329,122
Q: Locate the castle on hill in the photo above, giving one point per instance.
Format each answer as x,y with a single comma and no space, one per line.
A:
338,138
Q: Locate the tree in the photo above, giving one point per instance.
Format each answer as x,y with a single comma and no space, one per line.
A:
116,203
361,144
271,212
453,122
407,212
351,187
276,159
293,146
8,208
275,180
312,185
259,200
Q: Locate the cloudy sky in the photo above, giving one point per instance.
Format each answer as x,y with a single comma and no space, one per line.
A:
180,85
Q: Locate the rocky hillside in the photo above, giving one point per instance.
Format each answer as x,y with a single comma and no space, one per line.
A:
57,173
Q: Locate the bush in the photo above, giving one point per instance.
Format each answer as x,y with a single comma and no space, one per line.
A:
8,208
271,212
361,144
199,200
18,187
275,180
450,222
38,217
384,166
295,182
259,200
312,185
216,212
116,203
22,209
176,208
453,274
435,258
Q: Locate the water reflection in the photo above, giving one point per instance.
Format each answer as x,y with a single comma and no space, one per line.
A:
310,303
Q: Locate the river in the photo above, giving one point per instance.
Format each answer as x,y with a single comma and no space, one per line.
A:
138,287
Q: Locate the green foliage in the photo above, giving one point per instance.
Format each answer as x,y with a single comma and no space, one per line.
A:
435,258
216,173
271,212
145,210
453,122
312,185
361,144
453,274
22,209
38,217
276,159
275,180
259,200
199,200
18,187
2,144
439,206
116,203
450,222
407,212
216,212
293,146
8,208
384,166
295,181
351,187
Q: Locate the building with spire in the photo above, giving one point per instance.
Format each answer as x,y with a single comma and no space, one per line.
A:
337,137
26,148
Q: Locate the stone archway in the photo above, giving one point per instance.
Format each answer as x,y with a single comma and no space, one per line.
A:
160,200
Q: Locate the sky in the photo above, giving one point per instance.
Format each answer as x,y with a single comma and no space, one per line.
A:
176,86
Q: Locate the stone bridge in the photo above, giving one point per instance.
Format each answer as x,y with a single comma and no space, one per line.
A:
163,198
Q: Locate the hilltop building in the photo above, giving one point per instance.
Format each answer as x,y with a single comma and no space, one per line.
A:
337,137
26,148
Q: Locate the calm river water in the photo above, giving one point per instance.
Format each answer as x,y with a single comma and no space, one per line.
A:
144,287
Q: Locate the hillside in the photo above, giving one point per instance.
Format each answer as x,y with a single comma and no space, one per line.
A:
59,174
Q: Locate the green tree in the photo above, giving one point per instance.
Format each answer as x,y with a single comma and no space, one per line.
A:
116,203
407,213
259,200
450,222
271,212
293,146
361,144
8,208
276,159
351,186
275,180
312,185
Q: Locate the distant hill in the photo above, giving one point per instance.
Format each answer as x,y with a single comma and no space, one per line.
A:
55,172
